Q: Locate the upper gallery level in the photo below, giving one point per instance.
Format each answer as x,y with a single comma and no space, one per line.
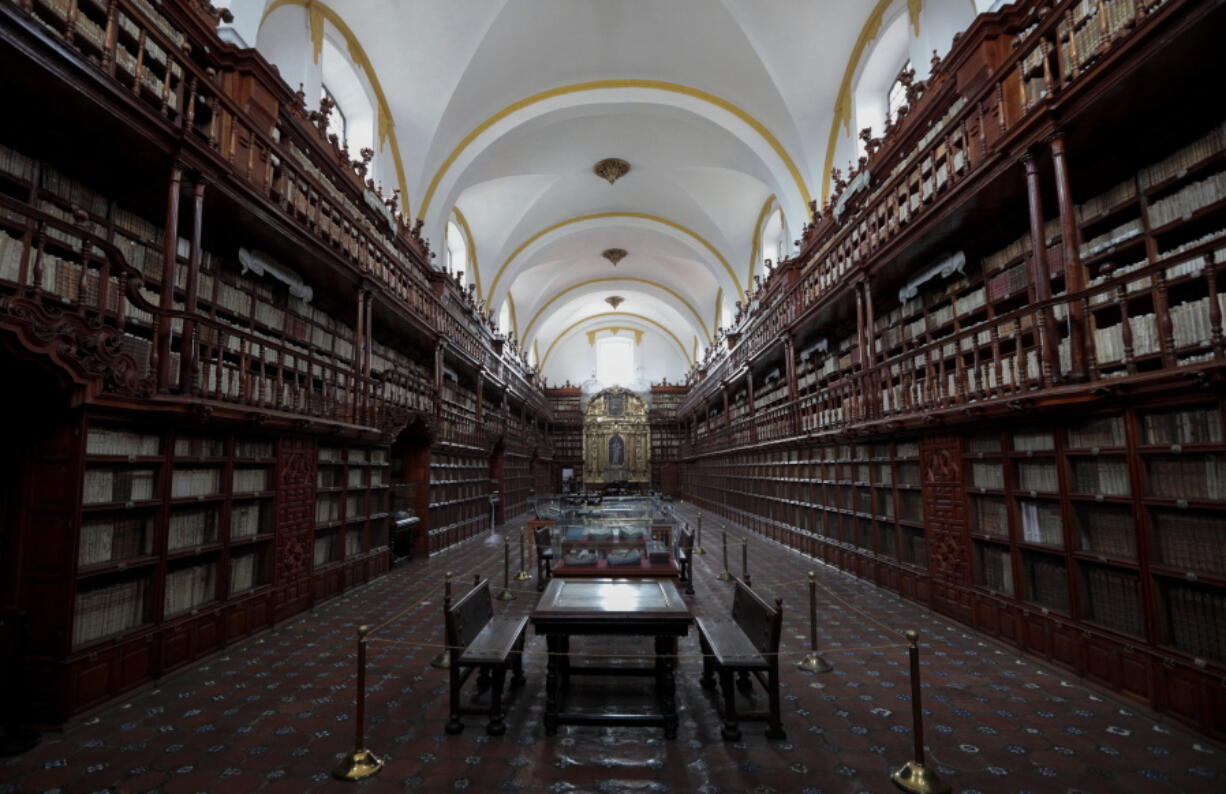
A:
298,286
992,247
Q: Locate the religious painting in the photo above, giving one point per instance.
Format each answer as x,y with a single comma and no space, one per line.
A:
617,451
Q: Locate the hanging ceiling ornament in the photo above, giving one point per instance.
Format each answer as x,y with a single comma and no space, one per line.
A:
614,255
611,169
614,300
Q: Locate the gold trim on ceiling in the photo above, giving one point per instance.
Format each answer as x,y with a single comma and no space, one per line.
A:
384,123
591,281
600,85
602,215
644,318
514,319
474,266
719,299
842,104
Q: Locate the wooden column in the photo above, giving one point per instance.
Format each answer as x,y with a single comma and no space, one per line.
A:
170,245
945,525
1040,276
749,390
861,336
789,364
727,408
359,347
189,352
1074,273
438,378
480,393
370,332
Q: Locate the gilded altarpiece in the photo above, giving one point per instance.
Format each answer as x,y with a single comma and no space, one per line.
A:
616,438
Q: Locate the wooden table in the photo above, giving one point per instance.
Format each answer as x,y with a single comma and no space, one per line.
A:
611,607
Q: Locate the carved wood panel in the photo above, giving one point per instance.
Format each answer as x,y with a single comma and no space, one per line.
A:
945,518
295,517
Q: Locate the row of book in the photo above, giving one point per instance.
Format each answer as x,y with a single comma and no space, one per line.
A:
188,588
1041,522
1113,599
1109,341
324,550
1201,425
1190,322
244,568
105,485
1109,239
195,482
188,528
1107,530
106,540
1125,191
249,518
1046,581
113,441
102,611
1196,620
989,516
1101,475
1036,475
250,480
1105,431
1188,200
1186,476
1179,162
994,569
1190,540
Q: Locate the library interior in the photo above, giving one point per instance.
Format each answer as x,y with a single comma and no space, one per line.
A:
763,396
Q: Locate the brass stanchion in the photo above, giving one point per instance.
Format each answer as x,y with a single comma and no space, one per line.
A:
361,763
813,661
698,549
726,576
523,575
506,594
443,660
914,776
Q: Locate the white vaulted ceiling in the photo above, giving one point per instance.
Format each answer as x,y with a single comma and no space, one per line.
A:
500,108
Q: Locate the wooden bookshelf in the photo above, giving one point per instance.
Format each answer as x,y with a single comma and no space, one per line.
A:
459,496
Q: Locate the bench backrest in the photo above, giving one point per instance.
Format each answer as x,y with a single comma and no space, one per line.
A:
685,540
761,622
468,616
542,538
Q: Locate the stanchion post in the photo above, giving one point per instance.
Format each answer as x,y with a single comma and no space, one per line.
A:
745,560
506,594
361,763
813,661
913,776
523,575
443,660
698,549
726,576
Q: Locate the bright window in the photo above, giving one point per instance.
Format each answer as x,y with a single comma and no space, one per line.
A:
615,361
457,249
897,95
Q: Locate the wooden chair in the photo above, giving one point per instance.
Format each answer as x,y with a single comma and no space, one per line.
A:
743,644
685,558
542,540
480,640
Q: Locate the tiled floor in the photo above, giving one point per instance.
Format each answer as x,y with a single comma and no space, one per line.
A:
275,714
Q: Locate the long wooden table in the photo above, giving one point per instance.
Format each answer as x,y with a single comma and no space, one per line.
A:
611,607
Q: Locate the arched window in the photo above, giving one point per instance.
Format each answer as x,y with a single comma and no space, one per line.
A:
457,249
896,97
615,361
353,118
773,242
339,124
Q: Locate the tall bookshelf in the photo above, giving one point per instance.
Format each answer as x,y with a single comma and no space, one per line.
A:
352,516
459,496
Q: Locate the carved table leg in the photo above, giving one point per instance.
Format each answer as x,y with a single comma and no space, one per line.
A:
551,684
731,732
666,655
497,726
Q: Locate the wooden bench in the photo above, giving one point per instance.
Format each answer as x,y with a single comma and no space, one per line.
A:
481,640
743,644
685,558
542,539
